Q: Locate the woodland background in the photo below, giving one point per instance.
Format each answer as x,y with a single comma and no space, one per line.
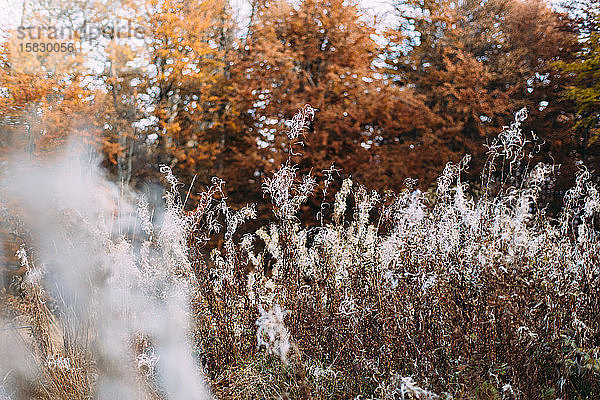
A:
208,96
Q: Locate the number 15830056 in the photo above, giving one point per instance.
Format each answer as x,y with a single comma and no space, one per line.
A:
50,47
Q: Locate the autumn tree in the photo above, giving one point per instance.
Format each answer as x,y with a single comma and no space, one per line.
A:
181,65
40,88
520,41
478,62
322,53
148,80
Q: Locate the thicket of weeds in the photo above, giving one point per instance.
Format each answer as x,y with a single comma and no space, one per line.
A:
443,294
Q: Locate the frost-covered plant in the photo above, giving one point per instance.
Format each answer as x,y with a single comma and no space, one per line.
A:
301,121
405,388
101,284
272,333
287,194
470,293
429,282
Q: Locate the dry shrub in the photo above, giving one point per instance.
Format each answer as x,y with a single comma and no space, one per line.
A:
480,296
414,295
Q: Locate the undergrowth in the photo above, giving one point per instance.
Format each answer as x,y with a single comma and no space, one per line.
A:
450,293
